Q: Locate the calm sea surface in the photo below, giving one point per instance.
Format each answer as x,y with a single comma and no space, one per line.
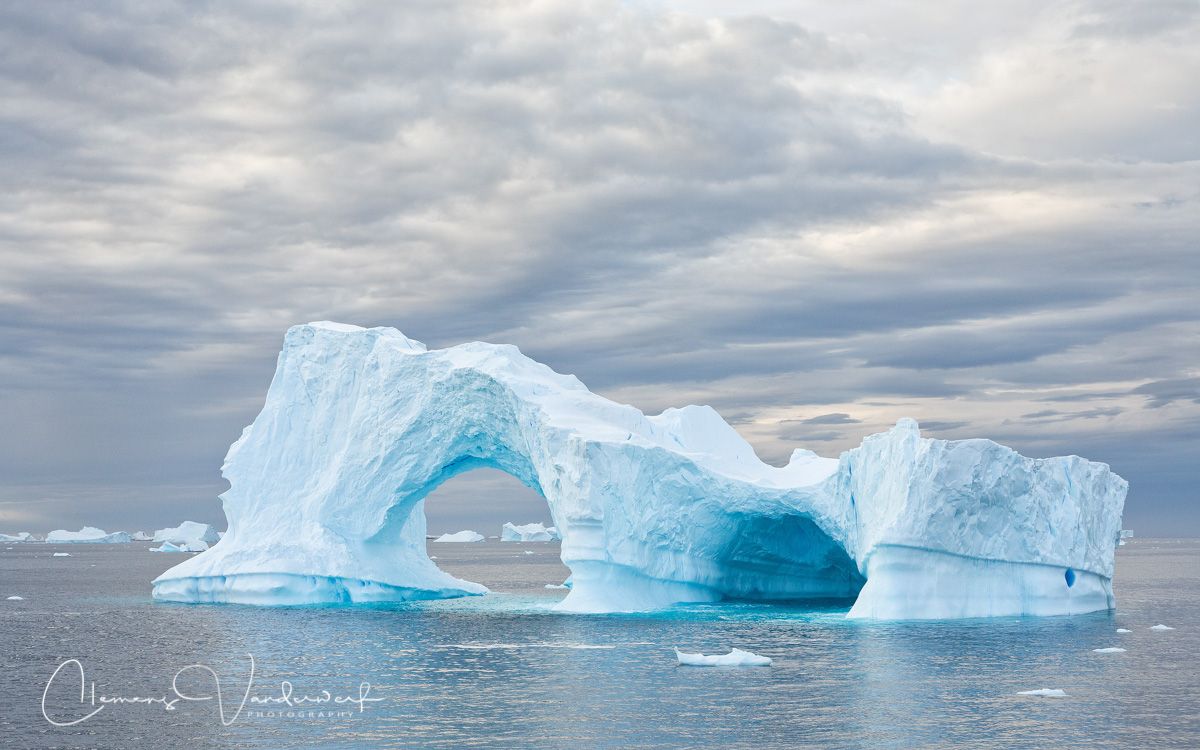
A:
503,671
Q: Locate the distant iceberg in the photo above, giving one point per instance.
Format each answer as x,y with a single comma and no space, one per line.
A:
23,536
1109,650
530,532
652,510
87,535
735,658
460,536
184,547
1160,626
189,536
141,536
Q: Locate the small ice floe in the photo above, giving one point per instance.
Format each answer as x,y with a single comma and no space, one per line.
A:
61,554
1124,630
556,586
1160,626
433,557
735,658
530,552
1044,693
1109,650
16,598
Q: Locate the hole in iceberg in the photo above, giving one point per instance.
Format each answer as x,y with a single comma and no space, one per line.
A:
1070,576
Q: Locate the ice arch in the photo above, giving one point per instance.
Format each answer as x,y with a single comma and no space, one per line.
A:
359,425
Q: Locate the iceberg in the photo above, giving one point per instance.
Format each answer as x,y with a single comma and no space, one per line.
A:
15,598
530,532
23,536
183,547
1160,626
1124,630
1109,650
87,535
328,484
141,536
189,536
61,554
735,658
460,536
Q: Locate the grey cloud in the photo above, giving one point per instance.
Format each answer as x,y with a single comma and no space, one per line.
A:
1160,393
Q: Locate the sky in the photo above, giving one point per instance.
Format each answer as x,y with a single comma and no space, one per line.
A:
815,219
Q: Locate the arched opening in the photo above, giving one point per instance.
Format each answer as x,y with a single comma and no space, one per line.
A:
483,500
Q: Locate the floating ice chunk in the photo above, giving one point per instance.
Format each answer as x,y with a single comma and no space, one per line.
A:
556,586
1109,650
1124,630
530,552
530,532
192,536
61,554
1045,693
1160,626
16,598
461,536
87,535
735,658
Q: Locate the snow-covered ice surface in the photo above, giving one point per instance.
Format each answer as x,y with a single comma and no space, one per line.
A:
530,532
735,658
141,536
359,425
87,535
465,535
23,536
1045,693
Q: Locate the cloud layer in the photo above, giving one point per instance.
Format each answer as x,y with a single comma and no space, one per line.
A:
817,223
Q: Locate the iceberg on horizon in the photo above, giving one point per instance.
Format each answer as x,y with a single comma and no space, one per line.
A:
530,532
87,535
141,536
466,535
326,502
22,536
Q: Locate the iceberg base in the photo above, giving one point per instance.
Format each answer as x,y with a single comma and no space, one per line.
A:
908,583
292,589
598,587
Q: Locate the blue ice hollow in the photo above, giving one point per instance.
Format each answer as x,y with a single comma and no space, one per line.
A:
327,493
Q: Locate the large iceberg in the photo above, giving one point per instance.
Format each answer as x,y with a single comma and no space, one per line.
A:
189,536
530,532
22,536
89,535
328,485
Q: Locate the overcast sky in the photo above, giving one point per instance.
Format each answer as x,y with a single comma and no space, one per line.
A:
816,219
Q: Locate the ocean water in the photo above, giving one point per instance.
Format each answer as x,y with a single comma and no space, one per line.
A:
502,671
